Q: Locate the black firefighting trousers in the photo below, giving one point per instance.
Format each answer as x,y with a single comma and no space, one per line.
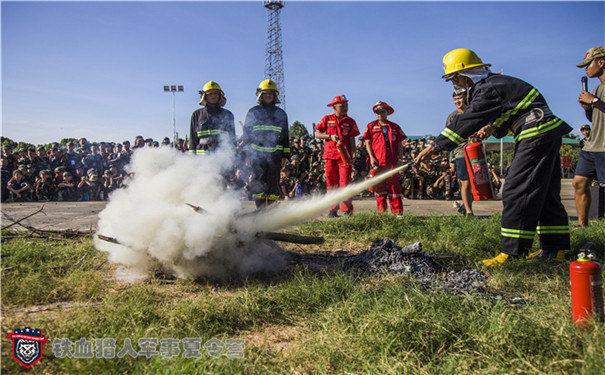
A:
532,200
265,179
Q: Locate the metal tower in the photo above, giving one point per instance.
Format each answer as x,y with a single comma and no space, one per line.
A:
274,62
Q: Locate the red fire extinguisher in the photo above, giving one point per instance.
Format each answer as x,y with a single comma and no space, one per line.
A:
478,171
586,289
373,172
344,154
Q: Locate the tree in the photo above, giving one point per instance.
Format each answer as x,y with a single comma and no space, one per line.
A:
298,130
65,141
493,158
7,141
573,152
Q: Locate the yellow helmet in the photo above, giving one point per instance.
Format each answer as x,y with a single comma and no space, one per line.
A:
267,85
460,59
212,85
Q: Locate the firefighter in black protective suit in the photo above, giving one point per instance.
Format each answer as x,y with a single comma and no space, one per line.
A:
212,124
531,195
266,144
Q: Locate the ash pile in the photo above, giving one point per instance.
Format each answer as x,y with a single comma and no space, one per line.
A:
384,256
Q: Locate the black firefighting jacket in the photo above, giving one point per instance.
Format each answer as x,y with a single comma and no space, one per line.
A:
209,126
266,131
509,104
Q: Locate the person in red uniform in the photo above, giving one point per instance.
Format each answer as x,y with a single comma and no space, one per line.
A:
382,140
338,129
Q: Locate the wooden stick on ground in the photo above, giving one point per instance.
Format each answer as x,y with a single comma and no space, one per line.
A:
15,222
196,208
48,233
291,238
281,237
108,239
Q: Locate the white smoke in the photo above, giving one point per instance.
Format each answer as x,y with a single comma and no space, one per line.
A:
297,212
158,231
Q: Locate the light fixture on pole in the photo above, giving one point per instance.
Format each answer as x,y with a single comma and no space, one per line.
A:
174,89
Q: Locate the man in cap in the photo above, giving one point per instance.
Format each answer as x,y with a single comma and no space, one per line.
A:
72,157
37,158
83,145
10,159
212,124
531,195
139,142
591,164
459,97
458,157
338,131
266,142
94,159
382,141
585,131
19,189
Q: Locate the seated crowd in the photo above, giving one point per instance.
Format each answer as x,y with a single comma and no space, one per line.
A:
76,171
84,171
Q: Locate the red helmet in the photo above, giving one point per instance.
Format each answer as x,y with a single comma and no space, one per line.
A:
384,105
338,99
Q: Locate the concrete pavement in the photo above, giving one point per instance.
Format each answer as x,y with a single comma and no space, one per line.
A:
84,215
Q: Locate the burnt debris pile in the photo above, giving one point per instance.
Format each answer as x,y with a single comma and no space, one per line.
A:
384,256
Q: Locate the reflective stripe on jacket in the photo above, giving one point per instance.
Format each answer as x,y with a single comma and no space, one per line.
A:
266,130
210,125
509,104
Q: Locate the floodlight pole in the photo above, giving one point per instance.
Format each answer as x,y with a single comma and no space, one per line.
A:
174,88
173,117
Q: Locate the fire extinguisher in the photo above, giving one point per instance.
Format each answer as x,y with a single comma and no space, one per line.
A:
586,289
344,154
478,171
373,172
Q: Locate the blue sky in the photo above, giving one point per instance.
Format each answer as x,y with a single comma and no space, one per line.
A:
96,69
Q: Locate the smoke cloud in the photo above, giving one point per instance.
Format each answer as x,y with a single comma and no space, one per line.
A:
158,231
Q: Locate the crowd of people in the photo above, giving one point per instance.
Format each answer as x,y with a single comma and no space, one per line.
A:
74,171
88,171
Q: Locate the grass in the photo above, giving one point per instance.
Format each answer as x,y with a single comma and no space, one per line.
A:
308,323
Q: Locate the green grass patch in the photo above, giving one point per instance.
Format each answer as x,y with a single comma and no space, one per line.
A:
335,323
37,272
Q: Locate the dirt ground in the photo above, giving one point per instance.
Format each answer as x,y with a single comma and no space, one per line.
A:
84,215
